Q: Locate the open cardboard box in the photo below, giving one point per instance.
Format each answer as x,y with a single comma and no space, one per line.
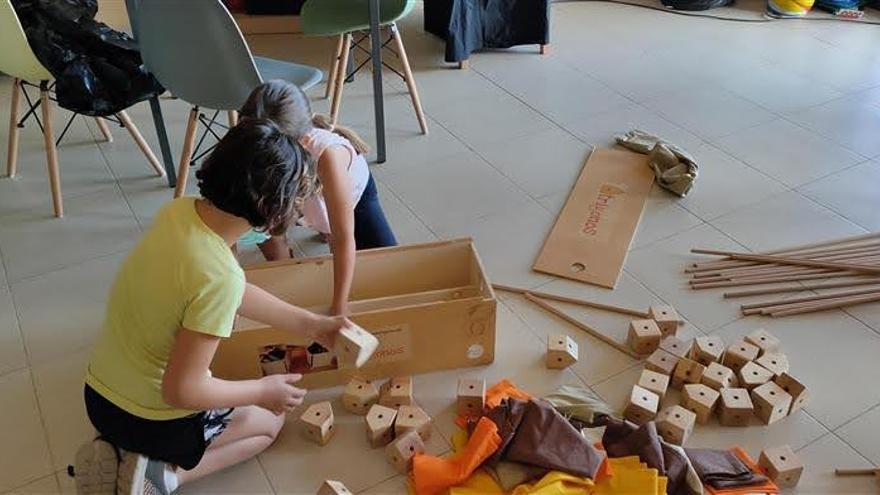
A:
430,306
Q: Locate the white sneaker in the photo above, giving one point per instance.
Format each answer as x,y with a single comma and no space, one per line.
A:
95,468
138,475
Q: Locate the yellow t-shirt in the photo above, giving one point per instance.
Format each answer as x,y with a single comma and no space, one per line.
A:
180,274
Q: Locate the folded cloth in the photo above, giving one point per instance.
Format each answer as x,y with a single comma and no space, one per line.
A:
556,483
494,395
722,469
674,168
581,406
508,475
630,477
767,487
623,438
434,474
479,483
546,439
507,417
683,478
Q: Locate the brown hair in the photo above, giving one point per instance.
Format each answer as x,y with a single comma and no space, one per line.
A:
285,104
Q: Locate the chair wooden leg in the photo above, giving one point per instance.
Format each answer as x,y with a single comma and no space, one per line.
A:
410,80
341,74
334,66
464,64
12,149
104,128
51,152
545,49
232,117
141,143
189,142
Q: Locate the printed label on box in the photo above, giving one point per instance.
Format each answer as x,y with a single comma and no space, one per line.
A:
395,344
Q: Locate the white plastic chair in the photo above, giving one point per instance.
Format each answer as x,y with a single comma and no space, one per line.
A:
18,60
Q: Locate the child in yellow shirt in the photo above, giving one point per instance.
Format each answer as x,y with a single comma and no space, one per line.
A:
162,419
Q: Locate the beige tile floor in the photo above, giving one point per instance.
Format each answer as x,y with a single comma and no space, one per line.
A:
784,119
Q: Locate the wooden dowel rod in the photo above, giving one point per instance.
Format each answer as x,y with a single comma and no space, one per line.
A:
761,276
769,310
857,472
572,300
773,280
829,295
792,261
583,326
866,253
798,288
718,266
804,247
833,304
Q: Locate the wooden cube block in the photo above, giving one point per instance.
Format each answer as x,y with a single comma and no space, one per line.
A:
798,391
562,352
322,359
764,341
331,487
708,349
718,376
662,362
644,336
666,317
772,403
655,382
359,396
471,396
735,407
413,418
751,375
401,452
776,362
354,347
701,400
782,466
380,425
738,354
687,371
396,392
676,346
318,422
675,424
642,406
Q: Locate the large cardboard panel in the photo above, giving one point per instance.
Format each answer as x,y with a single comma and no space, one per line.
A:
429,305
596,226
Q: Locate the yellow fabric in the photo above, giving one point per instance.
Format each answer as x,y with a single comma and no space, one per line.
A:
459,440
180,274
480,483
556,483
631,477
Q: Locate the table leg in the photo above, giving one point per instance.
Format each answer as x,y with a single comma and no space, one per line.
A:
378,95
164,146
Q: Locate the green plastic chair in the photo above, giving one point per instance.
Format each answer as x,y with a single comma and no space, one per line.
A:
343,19
18,60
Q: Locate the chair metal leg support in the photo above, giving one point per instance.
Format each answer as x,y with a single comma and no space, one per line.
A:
164,146
378,94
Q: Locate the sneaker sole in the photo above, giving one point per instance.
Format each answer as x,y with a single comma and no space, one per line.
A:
130,475
95,469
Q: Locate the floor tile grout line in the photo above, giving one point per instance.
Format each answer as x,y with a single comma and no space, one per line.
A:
259,458
43,425
13,490
56,269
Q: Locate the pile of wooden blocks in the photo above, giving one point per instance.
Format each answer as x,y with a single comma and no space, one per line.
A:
746,378
850,263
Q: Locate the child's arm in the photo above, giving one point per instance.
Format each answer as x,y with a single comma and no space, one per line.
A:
259,305
336,188
187,384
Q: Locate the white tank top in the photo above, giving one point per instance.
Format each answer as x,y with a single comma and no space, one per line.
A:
314,214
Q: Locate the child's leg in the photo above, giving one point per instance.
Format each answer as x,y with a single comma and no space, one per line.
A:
250,431
275,248
371,229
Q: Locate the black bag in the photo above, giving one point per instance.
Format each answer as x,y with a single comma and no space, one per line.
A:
274,7
469,25
695,4
98,71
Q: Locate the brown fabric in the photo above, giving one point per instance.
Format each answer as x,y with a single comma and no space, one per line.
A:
722,469
546,439
623,438
507,417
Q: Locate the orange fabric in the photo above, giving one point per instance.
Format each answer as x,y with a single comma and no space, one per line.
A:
768,487
494,395
605,471
433,474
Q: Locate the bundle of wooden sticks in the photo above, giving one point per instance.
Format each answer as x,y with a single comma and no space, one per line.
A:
838,264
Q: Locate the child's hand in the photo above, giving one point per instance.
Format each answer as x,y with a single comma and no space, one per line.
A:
327,329
279,394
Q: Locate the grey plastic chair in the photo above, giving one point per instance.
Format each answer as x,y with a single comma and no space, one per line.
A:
195,49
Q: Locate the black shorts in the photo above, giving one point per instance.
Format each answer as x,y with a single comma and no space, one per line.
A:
181,442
